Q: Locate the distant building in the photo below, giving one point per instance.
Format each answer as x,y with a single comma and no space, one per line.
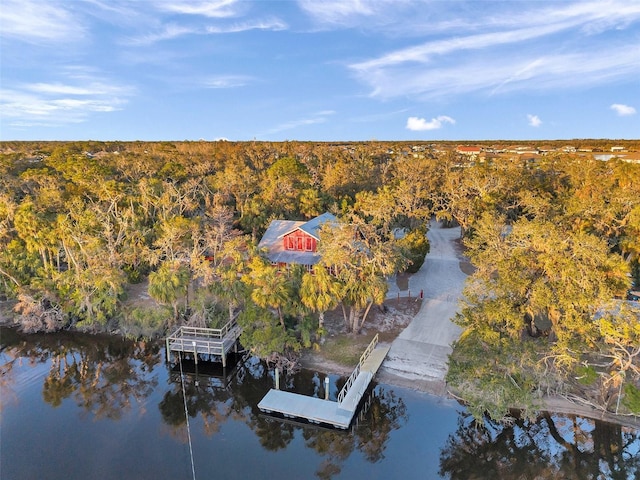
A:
468,150
295,242
545,149
524,149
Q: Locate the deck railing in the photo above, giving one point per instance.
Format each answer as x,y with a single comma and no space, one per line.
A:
213,333
210,341
189,345
356,371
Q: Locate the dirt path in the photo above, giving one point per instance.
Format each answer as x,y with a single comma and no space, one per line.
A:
418,357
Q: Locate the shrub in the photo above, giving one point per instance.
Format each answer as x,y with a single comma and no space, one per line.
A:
38,314
145,322
416,246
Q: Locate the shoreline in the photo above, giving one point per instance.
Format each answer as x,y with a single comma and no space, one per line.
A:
554,405
438,388
312,360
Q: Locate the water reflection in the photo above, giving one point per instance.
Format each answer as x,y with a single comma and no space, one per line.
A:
384,412
208,395
81,379
217,395
554,446
104,375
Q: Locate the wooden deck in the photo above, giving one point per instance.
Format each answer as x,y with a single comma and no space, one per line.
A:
338,414
214,342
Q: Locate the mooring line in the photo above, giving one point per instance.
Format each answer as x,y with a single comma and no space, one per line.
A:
186,415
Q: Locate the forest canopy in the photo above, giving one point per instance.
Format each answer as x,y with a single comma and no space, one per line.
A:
88,227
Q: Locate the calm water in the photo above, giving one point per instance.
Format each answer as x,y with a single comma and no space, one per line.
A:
80,407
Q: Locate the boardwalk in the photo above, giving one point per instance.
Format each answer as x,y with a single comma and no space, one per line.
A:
338,414
213,342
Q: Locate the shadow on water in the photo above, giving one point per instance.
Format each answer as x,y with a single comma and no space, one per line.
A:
216,394
552,446
103,374
69,378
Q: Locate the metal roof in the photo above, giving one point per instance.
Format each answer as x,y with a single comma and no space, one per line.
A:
271,240
312,227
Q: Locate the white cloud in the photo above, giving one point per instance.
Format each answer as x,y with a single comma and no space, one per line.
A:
226,81
167,32
503,54
20,108
420,124
73,100
622,109
93,88
171,31
37,22
426,52
338,11
534,120
317,117
207,8
529,71
274,24
411,19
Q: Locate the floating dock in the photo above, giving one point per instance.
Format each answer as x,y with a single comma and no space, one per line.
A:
315,410
214,342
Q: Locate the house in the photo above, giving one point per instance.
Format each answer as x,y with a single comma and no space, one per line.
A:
524,150
295,242
468,150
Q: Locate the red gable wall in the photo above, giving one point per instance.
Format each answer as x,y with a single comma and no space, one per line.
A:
300,241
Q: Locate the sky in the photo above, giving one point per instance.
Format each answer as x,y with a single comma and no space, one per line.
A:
319,70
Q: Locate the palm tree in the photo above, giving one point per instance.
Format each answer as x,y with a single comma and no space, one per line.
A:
168,284
320,291
362,258
269,289
229,288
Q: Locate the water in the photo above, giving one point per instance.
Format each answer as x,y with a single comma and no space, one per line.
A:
78,406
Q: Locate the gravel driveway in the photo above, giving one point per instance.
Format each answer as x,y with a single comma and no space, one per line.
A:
418,357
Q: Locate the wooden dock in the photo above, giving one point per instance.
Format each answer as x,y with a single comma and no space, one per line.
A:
338,414
214,342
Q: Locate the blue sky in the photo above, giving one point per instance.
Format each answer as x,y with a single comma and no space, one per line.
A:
319,70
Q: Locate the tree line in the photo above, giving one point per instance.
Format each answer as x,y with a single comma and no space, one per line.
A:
545,312
82,230
555,242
